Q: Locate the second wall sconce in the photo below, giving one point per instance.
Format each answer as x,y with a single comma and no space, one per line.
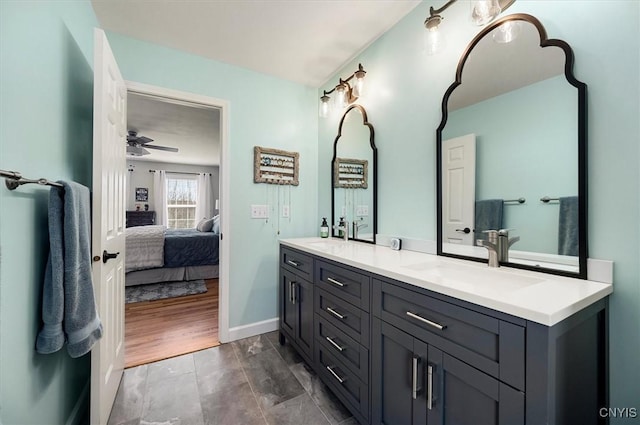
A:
482,12
345,93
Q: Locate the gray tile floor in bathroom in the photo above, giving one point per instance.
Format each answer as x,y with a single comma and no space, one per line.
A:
246,382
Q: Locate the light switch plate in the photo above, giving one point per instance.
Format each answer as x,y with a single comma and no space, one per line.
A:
285,211
259,211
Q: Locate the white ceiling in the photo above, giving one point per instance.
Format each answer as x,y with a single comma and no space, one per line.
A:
193,129
305,41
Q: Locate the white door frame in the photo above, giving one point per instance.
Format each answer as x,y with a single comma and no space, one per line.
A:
225,175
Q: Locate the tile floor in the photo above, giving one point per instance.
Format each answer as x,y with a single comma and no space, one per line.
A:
250,381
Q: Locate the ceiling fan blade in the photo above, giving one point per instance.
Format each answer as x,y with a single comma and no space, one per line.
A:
143,140
137,151
161,148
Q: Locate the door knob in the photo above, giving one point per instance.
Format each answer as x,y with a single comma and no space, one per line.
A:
465,230
106,256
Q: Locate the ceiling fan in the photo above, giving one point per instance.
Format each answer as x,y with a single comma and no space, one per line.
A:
136,145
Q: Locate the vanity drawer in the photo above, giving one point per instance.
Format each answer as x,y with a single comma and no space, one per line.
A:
297,262
342,315
351,391
345,348
494,346
347,284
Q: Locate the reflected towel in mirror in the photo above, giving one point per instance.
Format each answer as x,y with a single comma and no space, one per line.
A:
488,216
568,226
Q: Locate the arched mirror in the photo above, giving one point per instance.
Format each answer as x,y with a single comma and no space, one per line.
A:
512,152
353,177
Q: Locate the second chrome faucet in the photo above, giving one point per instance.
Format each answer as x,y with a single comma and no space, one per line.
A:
498,244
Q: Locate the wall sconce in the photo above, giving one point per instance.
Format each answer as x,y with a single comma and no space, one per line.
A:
344,92
482,12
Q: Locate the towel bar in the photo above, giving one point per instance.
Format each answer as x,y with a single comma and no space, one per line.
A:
13,180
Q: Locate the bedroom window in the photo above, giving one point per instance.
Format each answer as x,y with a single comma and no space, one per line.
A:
182,195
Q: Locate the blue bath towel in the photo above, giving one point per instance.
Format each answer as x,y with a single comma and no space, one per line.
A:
488,217
568,226
68,303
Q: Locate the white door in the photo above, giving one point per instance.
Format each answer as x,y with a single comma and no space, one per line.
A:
458,189
109,165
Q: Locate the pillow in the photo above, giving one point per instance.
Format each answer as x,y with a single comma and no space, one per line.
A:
215,228
205,225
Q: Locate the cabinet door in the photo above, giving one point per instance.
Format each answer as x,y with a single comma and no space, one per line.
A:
398,377
288,311
303,300
463,395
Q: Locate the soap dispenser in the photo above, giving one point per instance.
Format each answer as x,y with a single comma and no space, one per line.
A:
324,228
341,227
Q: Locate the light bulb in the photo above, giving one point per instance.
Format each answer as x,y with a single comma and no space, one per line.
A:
484,11
506,32
324,106
341,96
358,85
433,41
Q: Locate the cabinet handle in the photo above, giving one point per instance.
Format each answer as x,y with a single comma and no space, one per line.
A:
335,313
334,344
341,380
414,377
294,297
429,387
427,321
293,263
336,282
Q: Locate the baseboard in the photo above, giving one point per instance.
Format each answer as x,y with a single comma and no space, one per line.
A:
253,329
78,415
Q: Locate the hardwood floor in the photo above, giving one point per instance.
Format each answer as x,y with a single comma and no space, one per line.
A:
156,330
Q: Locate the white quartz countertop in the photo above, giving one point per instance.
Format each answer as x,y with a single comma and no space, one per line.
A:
539,297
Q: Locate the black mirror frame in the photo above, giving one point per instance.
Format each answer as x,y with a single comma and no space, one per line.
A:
582,144
374,170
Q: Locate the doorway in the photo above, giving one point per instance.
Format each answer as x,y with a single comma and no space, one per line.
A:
216,296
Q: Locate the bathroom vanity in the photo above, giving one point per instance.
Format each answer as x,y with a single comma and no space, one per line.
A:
403,337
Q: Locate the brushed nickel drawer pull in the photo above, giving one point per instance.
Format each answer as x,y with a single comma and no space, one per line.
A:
335,344
429,387
293,263
341,380
335,313
336,282
414,377
427,321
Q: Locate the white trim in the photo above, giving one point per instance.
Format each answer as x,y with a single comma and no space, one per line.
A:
76,417
225,185
253,329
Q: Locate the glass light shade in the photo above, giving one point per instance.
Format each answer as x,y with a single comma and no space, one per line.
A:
341,96
506,32
434,41
358,86
484,11
324,106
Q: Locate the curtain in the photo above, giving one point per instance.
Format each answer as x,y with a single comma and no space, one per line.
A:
160,197
204,204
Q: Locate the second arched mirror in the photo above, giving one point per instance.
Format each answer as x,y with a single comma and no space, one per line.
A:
512,152
353,178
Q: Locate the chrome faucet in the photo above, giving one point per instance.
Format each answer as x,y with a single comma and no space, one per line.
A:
345,235
504,243
492,245
357,227
498,244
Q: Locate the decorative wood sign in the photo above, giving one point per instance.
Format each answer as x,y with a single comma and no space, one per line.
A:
142,194
275,166
350,173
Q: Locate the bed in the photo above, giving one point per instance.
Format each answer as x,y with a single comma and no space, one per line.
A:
156,254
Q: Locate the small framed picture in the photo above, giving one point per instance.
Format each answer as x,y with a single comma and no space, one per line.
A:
142,194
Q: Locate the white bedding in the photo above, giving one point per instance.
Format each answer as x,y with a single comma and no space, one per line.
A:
145,247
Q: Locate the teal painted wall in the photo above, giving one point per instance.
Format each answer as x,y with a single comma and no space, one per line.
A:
521,158
46,101
264,111
403,104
